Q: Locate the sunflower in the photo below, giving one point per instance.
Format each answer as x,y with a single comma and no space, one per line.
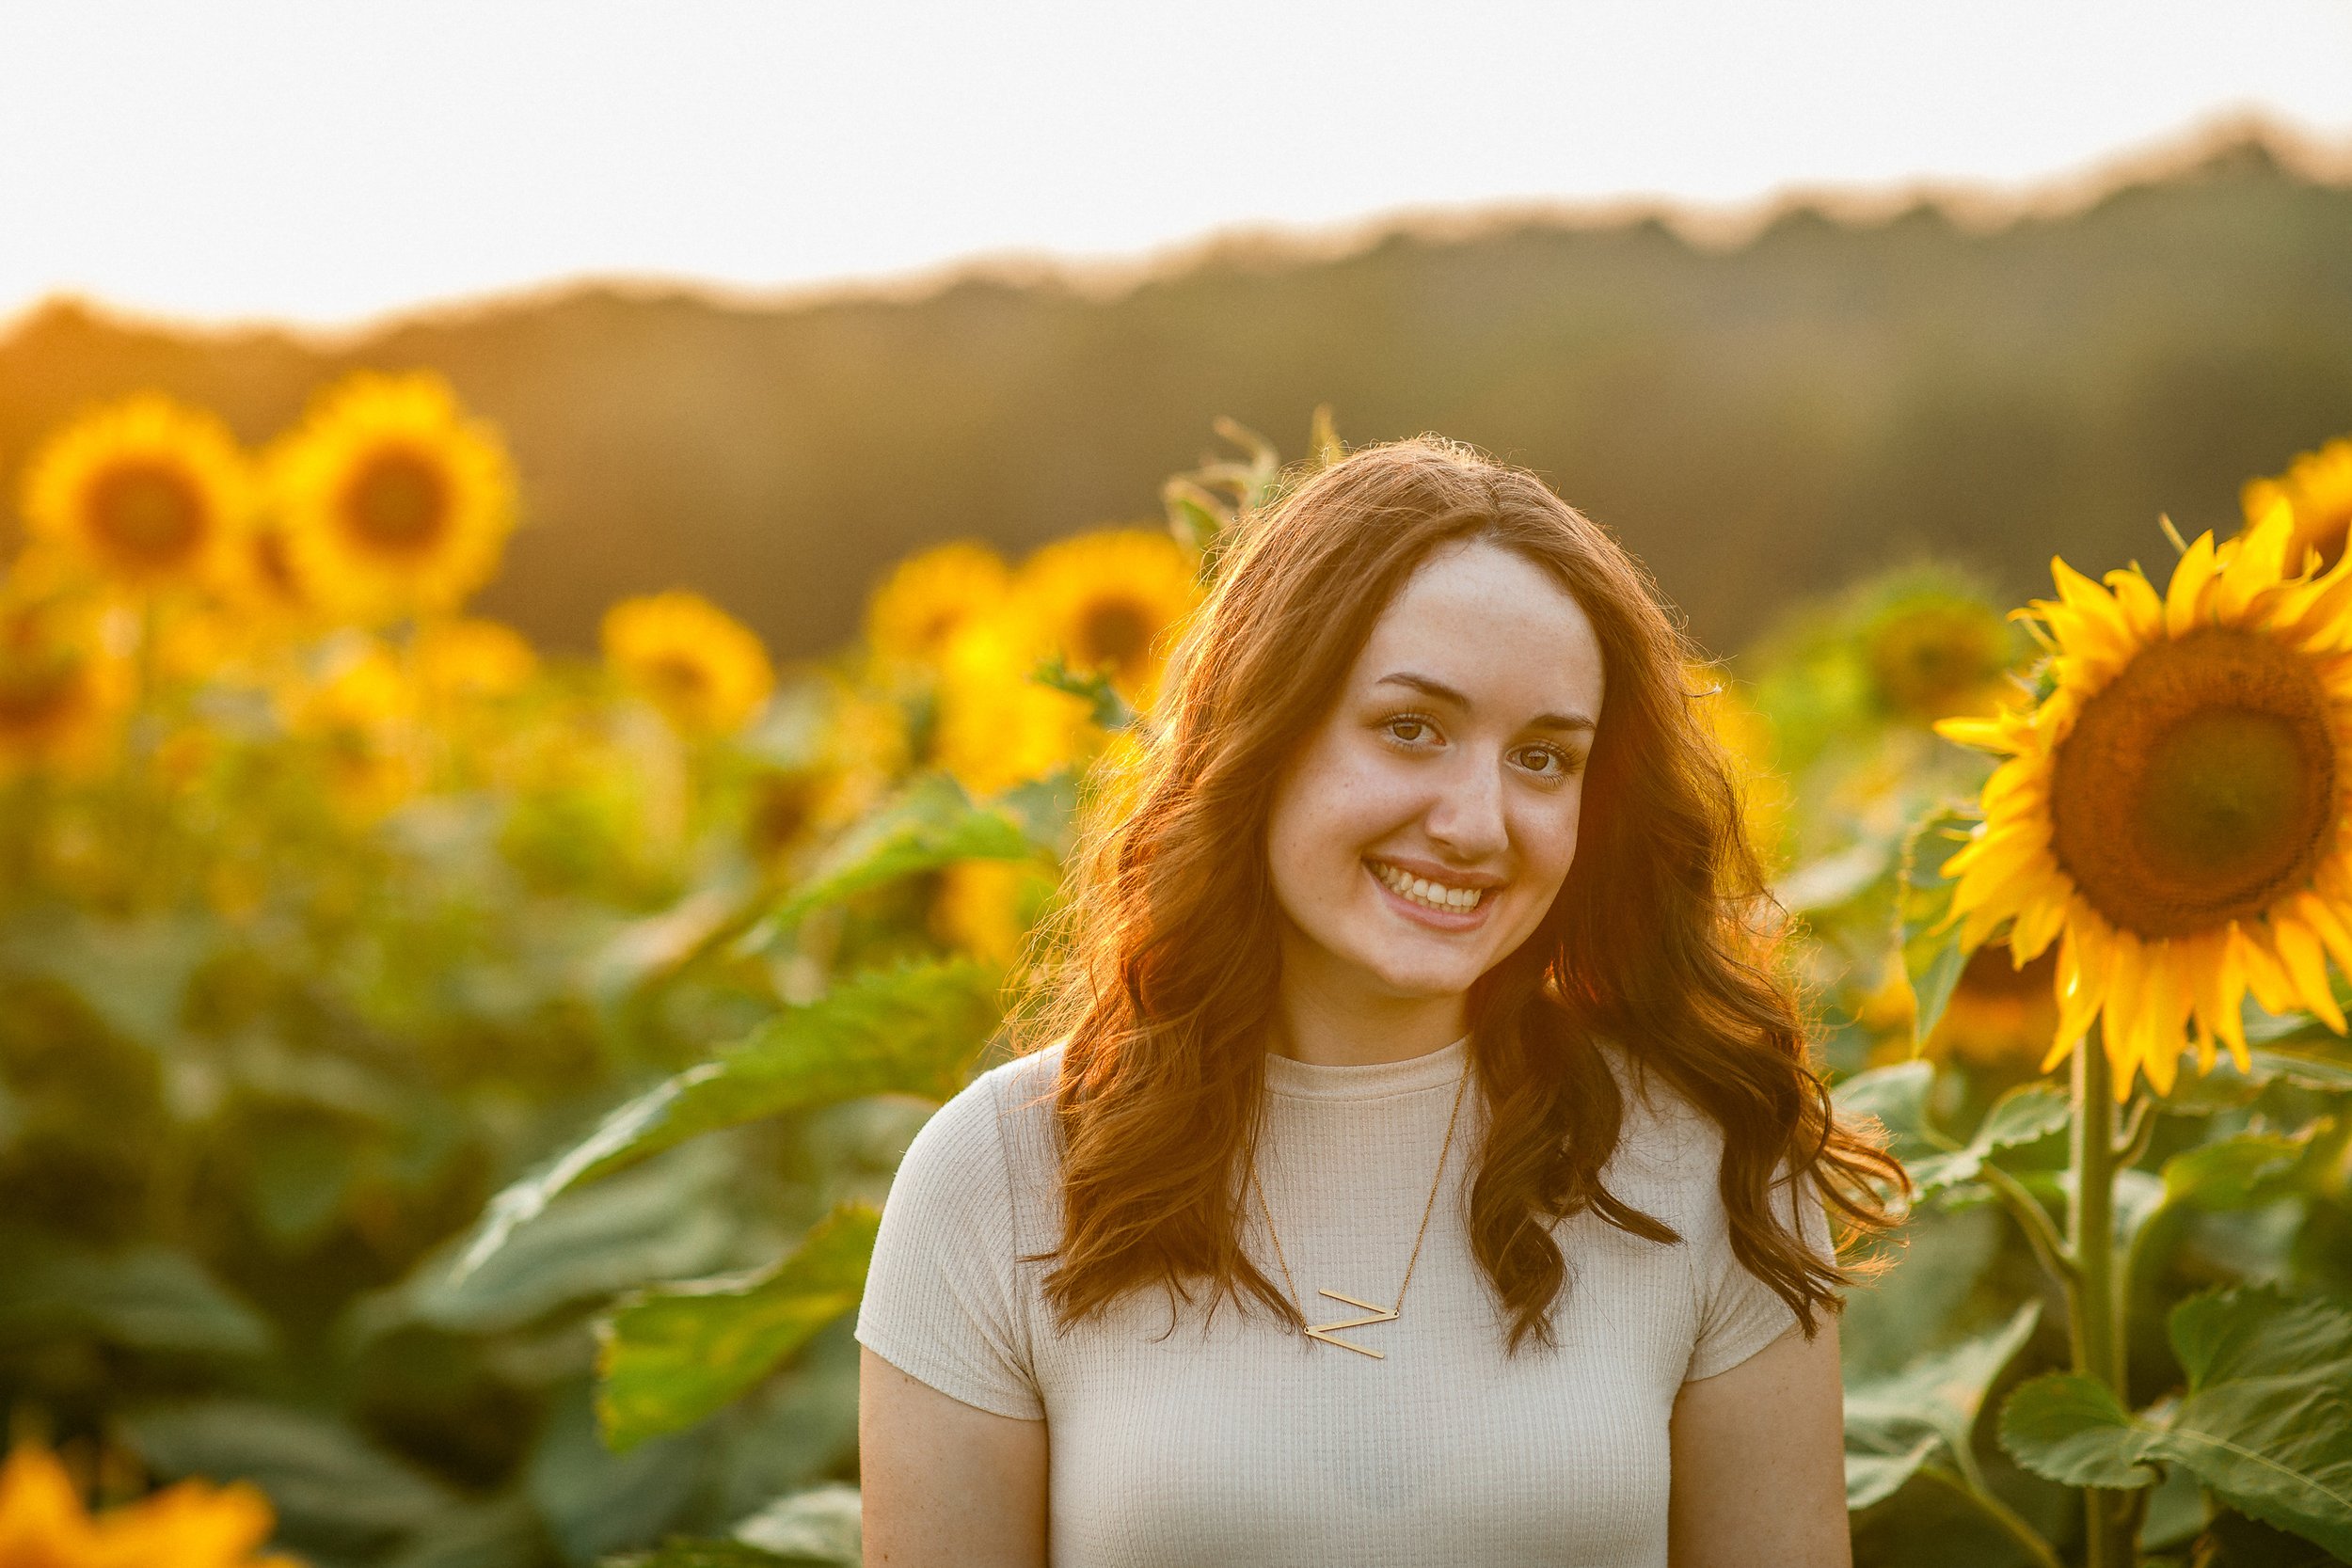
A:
995,726
469,657
1935,654
2170,808
145,491
2317,486
191,1525
61,686
986,907
359,716
1108,600
393,502
927,596
2001,1014
704,669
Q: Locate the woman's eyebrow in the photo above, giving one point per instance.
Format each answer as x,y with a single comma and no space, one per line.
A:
1444,693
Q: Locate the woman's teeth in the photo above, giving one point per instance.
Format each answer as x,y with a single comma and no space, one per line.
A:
1421,890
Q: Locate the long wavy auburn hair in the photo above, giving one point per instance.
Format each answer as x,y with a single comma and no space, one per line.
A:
1160,966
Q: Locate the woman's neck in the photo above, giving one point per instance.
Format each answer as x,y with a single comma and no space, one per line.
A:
1324,1036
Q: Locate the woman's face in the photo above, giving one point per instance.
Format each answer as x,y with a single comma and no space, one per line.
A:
1455,755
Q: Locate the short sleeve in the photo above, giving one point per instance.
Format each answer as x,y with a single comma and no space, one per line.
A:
1739,1313
940,1303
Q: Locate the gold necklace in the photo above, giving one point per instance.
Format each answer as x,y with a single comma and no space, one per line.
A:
1326,1332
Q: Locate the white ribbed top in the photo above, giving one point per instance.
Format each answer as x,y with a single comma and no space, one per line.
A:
1243,1442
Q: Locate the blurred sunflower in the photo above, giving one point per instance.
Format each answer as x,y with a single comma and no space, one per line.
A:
702,668
61,687
191,1525
929,595
393,502
1934,653
986,907
358,715
471,658
145,491
2001,1015
995,726
2170,810
1108,600
2317,488
1747,735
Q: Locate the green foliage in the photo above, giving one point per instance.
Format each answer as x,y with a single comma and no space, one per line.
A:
670,1356
913,1029
2266,1422
1927,1413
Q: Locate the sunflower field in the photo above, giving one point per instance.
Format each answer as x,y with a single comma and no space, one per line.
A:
446,1092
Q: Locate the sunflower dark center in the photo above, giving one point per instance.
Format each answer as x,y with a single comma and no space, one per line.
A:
148,513
36,693
677,677
2199,786
398,502
1114,631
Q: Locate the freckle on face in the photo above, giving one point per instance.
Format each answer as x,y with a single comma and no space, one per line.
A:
1469,787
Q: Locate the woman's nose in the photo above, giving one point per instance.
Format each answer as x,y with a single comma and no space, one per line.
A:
1467,816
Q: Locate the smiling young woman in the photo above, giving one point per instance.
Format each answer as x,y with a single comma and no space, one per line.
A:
1430,808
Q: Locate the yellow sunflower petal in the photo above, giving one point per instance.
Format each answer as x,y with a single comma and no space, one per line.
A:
2307,966
2190,575
2137,598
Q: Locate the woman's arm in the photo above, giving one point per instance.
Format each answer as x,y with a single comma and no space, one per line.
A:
1759,1469
944,1482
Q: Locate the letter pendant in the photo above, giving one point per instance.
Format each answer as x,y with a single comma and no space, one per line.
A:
1324,1332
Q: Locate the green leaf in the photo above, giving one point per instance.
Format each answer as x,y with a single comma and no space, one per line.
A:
2025,1115
334,1491
145,1298
2236,1172
665,1222
1897,1098
670,1356
929,824
1933,958
1895,1425
2072,1429
595,1501
2267,1420
914,1028
1105,706
824,1524
2266,1423
684,1552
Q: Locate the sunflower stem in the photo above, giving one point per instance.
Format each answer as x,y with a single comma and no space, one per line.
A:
2034,1220
2014,1525
2093,1302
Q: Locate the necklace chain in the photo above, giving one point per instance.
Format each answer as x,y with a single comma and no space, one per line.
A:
1325,1331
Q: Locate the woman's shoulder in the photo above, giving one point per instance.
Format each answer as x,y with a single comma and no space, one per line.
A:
1000,1121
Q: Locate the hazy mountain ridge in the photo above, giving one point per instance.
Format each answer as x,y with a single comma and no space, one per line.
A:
1755,422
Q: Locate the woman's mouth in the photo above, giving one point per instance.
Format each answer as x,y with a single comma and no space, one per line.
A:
1432,903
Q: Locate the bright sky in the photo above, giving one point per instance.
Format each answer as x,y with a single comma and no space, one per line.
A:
328,162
